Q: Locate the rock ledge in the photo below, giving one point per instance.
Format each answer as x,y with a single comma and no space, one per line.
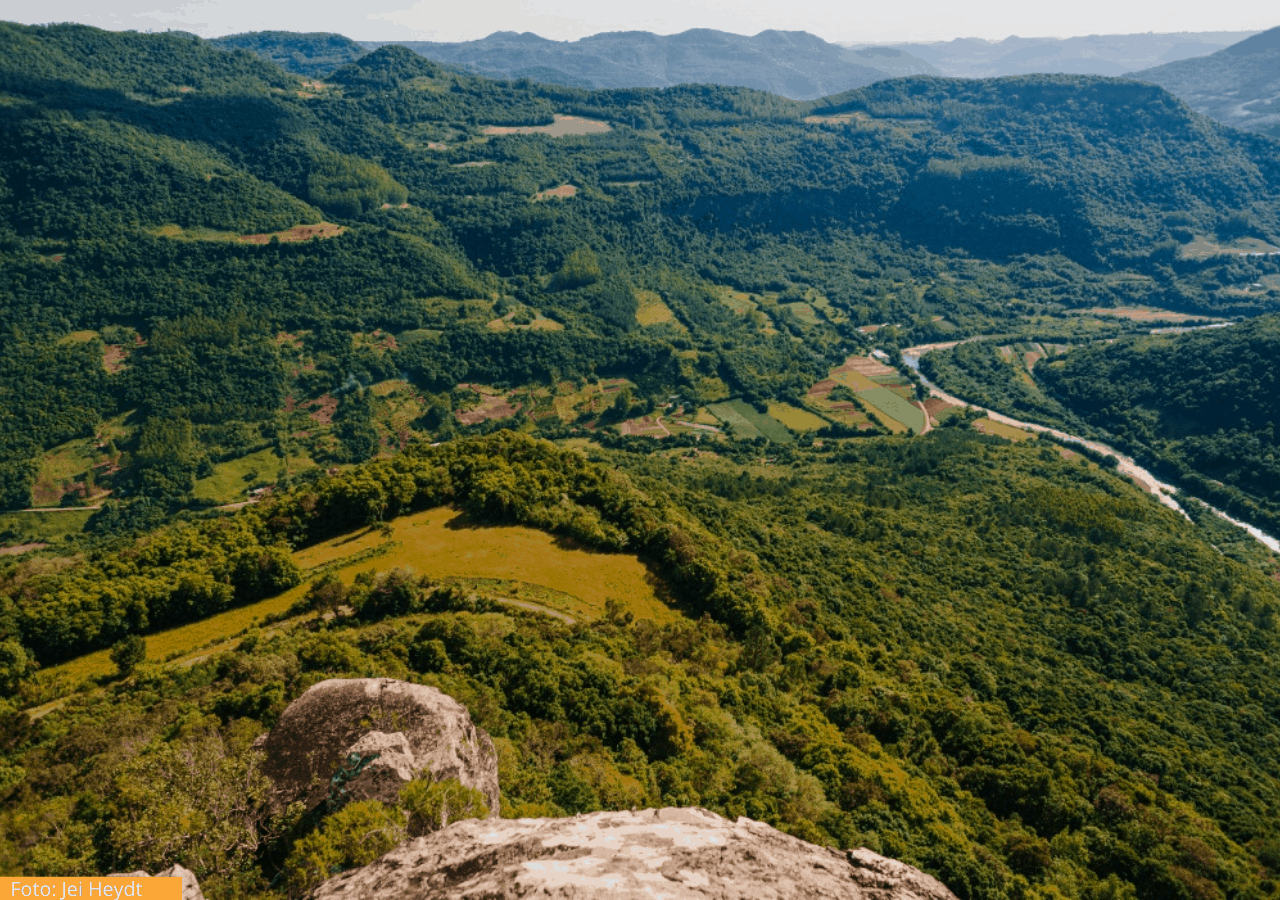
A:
677,854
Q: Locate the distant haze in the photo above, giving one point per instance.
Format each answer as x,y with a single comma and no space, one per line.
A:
392,20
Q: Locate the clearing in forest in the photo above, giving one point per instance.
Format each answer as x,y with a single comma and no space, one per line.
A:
563,126
645,426
651,310
289,235
563,191
493,405
1204,247
508,561
231,480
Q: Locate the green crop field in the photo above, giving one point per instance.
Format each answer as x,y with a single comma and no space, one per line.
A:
892,406
747,423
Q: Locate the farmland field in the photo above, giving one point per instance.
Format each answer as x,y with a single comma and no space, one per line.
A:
1009,432
802,311
795,418
894,409
747,423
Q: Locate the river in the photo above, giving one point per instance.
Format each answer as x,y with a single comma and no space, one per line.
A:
1157,488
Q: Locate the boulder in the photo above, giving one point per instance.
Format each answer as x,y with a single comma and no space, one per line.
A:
670,853
363,738
190,886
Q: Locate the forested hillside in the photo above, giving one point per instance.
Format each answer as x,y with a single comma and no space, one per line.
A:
1058,689
1203,404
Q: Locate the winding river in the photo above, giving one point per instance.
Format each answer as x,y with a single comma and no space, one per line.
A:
1161,491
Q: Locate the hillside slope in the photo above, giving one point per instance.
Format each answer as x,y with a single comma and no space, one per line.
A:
1238,85
1010,669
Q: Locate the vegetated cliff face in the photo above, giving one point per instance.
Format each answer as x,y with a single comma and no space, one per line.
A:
671,853
364,738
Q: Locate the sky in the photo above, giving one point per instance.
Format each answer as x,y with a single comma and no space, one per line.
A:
834,20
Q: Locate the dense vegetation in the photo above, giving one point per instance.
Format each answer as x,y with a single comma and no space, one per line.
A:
847,671
1202,406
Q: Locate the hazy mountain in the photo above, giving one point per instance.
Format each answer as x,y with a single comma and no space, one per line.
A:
315,54
1108,54
1239,85
793,64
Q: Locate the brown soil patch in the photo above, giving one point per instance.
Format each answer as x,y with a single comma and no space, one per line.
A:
295,234
113,357
565,190
491,406
563,126
436,145
19,549
474,164
1030,359
645,425
865,365
321,411
936,405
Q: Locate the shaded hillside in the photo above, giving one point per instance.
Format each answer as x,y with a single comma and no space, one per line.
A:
314,55
788,63
1238,86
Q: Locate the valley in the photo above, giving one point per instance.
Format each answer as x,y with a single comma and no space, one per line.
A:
631,418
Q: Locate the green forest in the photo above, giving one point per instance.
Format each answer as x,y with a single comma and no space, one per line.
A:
253,304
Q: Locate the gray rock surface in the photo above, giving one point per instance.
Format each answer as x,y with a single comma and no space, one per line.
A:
374,734
677,854
190,886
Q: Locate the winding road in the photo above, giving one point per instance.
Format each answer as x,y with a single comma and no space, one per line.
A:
1157,488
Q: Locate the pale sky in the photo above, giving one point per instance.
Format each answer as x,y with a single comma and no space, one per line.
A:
433,20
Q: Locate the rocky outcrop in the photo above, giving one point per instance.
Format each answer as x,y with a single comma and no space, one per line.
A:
363,738
190,887
670,853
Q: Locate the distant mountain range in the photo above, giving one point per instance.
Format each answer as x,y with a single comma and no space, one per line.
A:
792,64
1239,85
1232,76
1108,54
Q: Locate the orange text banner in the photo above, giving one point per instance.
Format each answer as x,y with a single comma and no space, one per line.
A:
95,887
